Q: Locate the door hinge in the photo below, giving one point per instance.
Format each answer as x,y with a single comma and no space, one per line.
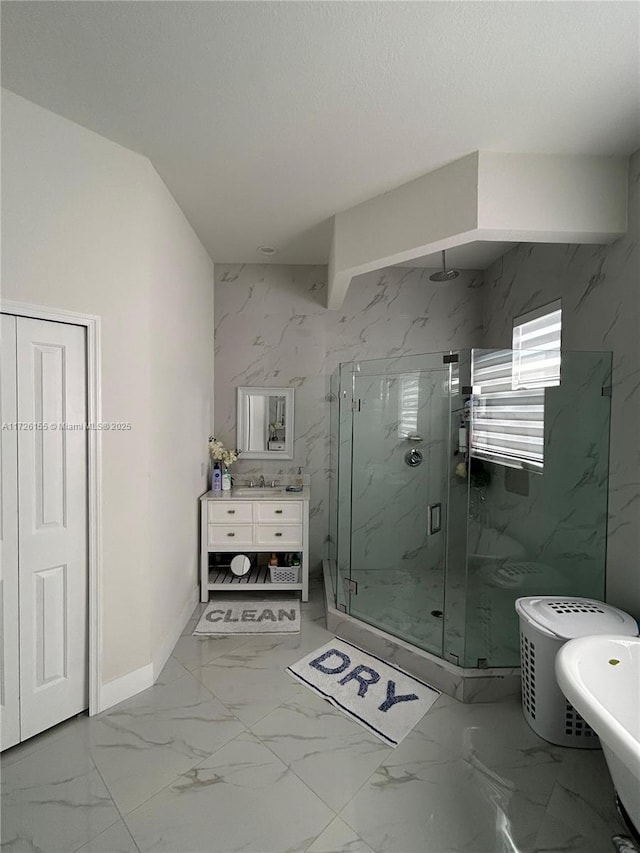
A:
451,358
350,586
606,390
356,405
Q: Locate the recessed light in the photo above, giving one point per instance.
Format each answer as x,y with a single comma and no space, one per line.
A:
267,250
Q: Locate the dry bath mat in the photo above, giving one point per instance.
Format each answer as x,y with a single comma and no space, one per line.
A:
375,694
246,616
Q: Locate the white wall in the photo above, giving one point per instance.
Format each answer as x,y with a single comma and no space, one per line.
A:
88,226
483,196
552,197
181,319
415,219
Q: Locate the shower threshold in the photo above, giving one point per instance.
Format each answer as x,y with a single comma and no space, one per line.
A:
467,685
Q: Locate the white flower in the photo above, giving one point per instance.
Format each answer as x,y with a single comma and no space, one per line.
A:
219,453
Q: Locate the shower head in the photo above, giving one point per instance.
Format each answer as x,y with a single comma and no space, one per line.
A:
444,274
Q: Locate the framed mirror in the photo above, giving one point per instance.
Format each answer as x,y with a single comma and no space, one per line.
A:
265,423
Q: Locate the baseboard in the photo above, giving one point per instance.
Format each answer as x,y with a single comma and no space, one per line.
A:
146,676
126,686
172,636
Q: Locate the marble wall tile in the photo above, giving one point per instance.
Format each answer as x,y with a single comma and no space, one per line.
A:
551,540
598,286
386,493
272,328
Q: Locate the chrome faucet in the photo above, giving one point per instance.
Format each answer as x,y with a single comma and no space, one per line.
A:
261,481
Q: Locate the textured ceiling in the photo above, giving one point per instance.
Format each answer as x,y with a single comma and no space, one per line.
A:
266,118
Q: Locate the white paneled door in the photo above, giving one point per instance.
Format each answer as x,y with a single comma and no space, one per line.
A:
10,673
52,562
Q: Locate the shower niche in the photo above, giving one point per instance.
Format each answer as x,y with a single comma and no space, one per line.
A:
523,512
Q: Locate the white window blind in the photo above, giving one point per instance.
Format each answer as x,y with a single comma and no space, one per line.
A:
536,348
507,424
409,395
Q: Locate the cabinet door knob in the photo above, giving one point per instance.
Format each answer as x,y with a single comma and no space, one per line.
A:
231,511
278,512
231,534
278,534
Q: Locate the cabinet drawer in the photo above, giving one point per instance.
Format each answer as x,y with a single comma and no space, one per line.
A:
285,512
279,535
233,536
230,512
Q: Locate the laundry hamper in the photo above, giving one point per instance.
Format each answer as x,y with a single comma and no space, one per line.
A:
546,623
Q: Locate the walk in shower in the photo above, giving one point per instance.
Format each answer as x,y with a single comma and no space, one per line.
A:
462,481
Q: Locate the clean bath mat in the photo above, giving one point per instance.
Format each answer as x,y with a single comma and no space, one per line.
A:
375,694
247,616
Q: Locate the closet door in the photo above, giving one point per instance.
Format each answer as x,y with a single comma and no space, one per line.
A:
9,654
52,542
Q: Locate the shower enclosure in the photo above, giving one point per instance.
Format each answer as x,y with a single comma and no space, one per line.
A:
458,486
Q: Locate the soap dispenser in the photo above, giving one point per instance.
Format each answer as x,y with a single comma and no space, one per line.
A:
216,478
299,477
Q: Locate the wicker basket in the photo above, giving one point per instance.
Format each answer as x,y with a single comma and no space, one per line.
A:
284,574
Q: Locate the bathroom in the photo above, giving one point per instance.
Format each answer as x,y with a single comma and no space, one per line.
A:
398,313
471,776
172,167
273,328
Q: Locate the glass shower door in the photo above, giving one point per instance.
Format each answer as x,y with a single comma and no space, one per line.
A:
400,469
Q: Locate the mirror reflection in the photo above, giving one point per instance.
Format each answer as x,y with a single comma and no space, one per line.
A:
265,422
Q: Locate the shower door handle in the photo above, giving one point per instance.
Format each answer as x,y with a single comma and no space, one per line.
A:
434,518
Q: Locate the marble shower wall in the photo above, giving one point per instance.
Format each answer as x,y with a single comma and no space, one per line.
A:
272,328
387,495
600,291
552,539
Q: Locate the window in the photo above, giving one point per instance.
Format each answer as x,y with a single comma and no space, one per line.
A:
508,386
536,348
409,394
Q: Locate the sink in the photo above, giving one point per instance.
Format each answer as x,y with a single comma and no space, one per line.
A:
257,492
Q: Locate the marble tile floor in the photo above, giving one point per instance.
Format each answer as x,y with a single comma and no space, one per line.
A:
228,753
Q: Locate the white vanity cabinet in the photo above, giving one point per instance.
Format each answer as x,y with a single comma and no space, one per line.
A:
253,524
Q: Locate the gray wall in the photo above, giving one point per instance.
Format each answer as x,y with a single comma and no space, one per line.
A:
600,291
272,329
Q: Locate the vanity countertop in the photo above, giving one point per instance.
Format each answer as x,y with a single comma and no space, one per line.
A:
249,494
